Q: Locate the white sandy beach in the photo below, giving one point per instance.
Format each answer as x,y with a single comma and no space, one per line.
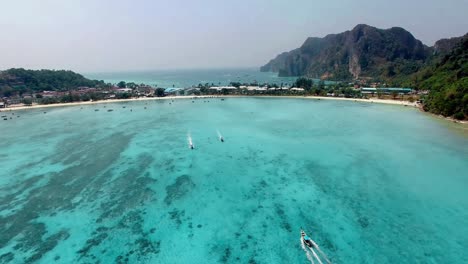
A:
380,101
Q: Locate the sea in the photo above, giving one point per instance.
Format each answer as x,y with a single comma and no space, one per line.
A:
118,183
190,77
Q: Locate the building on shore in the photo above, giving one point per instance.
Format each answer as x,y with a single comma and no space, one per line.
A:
370,90
192,91
220,88
173,91
145,91
296,89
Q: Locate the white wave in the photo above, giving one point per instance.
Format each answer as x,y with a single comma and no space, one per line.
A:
309,257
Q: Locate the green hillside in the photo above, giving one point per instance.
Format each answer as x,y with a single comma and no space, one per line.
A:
19,81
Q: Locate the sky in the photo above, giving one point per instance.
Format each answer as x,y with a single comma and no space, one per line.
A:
133,35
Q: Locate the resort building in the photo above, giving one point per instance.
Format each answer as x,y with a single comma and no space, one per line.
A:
297,89
369,90
145,91
219,88
191,91
173,91
124,90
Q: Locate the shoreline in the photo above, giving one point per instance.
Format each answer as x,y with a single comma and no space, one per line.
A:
373,100
35,106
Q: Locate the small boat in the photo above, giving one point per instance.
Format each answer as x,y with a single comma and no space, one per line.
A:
96,110
221,139
191,146
110,110
314,248
307,240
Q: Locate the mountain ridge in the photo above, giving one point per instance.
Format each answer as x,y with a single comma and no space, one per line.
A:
363,51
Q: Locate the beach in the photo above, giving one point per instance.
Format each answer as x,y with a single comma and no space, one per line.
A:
380,101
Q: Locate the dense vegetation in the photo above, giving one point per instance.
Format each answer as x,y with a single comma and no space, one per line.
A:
448,84
19,81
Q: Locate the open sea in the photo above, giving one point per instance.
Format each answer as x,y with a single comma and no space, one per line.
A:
369,183
188,78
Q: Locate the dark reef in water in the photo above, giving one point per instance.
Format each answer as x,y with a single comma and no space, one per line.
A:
56,195
179,189
177,216
63,190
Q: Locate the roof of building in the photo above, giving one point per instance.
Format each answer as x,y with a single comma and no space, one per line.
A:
386,89
222,87
172,89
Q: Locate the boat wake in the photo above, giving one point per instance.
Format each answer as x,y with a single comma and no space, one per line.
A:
190,142
313,248
220,136
309,257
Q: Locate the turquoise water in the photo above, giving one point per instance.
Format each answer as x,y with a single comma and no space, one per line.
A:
188,78
370,183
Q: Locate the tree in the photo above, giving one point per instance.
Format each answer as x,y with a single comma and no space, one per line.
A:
123,95
27,101
304,83
394,95
122,84
235,84
6,91
160,92
321,84
379,93
131,85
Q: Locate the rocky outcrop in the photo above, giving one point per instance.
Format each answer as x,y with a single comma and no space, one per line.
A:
445,46
362,51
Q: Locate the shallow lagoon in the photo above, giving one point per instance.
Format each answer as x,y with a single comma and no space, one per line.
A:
371,183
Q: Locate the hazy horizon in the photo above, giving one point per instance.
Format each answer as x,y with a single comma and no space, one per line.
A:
111,36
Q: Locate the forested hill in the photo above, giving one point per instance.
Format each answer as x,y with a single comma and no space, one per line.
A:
447,81
18,81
